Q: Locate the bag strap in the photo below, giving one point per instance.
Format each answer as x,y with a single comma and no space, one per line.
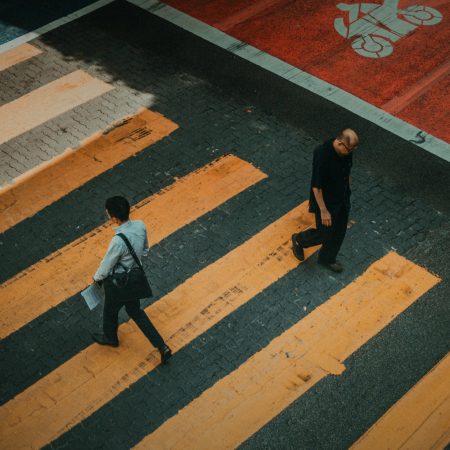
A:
131,249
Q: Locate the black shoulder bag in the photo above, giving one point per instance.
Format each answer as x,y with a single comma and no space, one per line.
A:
129,285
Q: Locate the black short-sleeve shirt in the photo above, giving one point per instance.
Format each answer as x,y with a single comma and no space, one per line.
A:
331,173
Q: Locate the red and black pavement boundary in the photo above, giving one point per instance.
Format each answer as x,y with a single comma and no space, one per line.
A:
224,104
383,152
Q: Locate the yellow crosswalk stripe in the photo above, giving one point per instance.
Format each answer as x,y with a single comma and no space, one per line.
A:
51,181
96,375
238,405
47,102
17,55
419,420
70,269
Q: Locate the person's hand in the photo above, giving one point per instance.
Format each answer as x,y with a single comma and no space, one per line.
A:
326,218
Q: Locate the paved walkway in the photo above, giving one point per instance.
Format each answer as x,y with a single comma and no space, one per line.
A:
269,353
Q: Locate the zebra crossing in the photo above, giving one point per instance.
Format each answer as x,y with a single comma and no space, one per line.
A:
427,427
50,181
47,102
18,55
69,270
241,403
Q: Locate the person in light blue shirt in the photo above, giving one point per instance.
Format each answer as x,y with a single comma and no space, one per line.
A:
136,232
118,257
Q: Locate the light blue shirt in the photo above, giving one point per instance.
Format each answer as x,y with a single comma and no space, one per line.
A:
136,232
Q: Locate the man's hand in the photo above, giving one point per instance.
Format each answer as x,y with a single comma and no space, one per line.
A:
324,213
326,217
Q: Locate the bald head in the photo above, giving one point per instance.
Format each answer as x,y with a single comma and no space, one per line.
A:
346,141
349,137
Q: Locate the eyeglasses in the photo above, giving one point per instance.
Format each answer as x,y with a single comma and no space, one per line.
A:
349,149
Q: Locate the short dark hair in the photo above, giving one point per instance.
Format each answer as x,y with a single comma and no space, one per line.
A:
118,207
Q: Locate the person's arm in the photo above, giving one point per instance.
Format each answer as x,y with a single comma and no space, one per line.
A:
317,182
324,213
114,252
146,246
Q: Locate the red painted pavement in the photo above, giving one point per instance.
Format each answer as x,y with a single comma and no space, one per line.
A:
302,33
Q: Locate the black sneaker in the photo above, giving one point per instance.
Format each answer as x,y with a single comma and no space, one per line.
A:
166,354
334,267
297,248
103,340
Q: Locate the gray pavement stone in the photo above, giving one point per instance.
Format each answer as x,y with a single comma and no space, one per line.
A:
213,122
50,139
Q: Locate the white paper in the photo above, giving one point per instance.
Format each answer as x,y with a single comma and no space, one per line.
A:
93,296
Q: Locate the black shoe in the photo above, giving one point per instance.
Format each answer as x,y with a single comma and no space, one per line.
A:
297,248
103,340
334,267
166,354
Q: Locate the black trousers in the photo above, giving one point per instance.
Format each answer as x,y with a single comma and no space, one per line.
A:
331,238
111,310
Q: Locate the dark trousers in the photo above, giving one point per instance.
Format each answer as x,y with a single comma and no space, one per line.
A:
133,308
331,238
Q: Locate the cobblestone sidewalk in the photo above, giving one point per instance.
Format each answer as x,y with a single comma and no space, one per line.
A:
213,121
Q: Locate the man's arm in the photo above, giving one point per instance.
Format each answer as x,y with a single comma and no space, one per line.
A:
146,246
318,175
324,213
110,259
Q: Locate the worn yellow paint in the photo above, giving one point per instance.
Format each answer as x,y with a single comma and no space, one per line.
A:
17,55
238,405
70,269
419,420
47,102
96,375
51,181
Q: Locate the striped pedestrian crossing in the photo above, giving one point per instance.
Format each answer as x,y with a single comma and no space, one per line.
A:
51,181
49,101
96,375
262,387
245,400
70,269
17,55
419,420
241,403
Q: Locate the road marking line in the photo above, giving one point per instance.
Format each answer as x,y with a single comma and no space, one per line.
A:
413,92
69,270
53,25
420,419
50,181
47,102
303,79
92,378
245,13
18,55
326,90
241,403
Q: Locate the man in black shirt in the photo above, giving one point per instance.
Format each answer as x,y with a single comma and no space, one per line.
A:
329,199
